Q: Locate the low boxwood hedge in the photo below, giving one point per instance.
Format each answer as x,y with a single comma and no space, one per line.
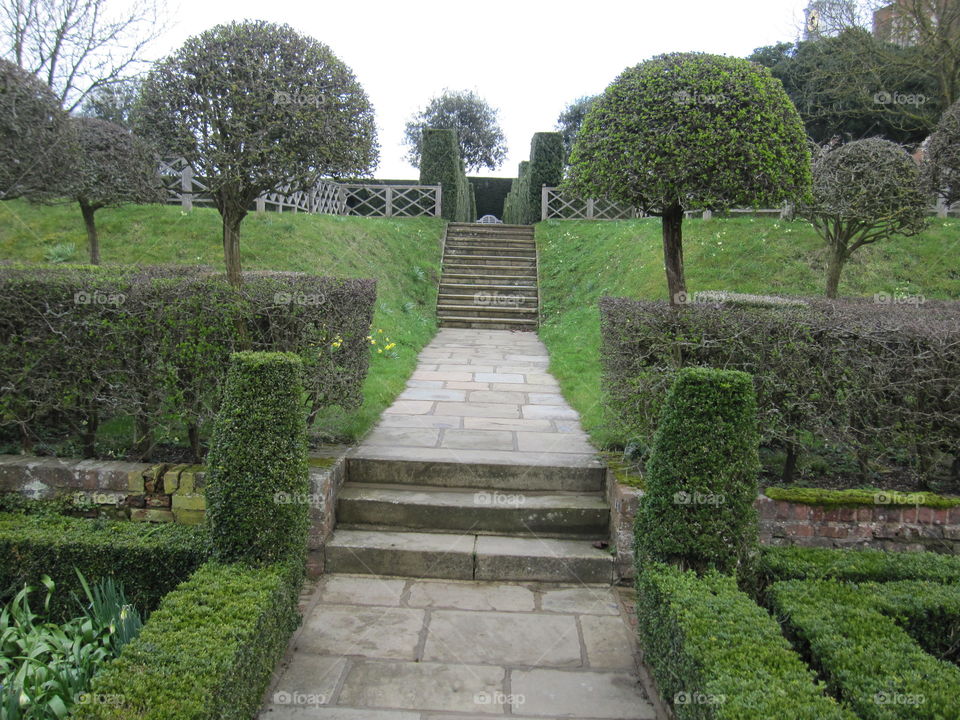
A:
150,560
859,497
800,563
853,635
207,652
717,655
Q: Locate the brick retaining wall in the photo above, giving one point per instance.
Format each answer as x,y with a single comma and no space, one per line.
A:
782,522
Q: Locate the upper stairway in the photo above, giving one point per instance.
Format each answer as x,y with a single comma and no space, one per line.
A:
489,278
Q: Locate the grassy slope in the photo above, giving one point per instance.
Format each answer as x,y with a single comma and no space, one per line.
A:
403,255
581,261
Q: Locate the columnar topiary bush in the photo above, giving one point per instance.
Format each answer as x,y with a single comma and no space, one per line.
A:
440,164
702,474
516,208
257,485
546,168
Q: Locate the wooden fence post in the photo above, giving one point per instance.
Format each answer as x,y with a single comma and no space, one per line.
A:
707,215
261,205
590,209
942,209
389,196
438,195
186,188
544,202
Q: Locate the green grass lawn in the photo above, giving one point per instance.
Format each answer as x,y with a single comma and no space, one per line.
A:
403,255
581,261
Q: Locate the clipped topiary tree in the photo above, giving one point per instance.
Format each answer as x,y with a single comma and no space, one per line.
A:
701,479
863,192
31,135
690,130
546,168
941,172
440,164
254,107
257,487
109,166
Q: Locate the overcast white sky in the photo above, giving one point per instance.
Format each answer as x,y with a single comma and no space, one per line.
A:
528,58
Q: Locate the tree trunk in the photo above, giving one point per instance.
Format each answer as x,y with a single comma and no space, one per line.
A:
89,435
26,440
790,464
232,218
673,253
92,239
143,437
838,257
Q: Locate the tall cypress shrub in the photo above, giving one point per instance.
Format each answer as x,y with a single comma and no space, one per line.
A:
257,487
440,164
701,479
546,168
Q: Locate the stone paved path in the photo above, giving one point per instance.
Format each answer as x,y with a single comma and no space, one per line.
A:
481,396
377,648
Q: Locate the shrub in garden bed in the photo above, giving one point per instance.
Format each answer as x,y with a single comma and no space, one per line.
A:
207,652
716,654
871,643
85,345
150,560
701,480
800,563
880,382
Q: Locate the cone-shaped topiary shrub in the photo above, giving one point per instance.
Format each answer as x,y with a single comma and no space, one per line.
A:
257,488
702,474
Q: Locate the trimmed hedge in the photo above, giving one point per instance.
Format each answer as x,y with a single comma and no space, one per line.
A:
545,167
257,487
701,480
440,164
516,208
207,653
716,655
868,659
149,559
87,344
878,382
800,563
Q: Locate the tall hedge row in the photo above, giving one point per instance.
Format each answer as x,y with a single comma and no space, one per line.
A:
83,345
877,382
440,164
516,208
491,194
545,167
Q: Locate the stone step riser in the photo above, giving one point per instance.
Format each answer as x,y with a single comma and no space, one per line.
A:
476,476
481,299
458,557
493,270
487,324
488,289
481,260
489,281
476,249
557,522
487,312
495,234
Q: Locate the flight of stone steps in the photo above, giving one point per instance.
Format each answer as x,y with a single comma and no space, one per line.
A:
398,516
489,277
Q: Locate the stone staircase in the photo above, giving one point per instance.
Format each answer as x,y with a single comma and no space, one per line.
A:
471,521
489,278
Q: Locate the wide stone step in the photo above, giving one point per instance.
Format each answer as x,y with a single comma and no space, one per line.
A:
459,556
487,311
487,470
478,323
488,512
529,290
485,299
486,280
453,258
472,268
516,250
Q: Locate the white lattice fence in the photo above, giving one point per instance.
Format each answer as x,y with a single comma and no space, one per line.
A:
326,197
553,204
